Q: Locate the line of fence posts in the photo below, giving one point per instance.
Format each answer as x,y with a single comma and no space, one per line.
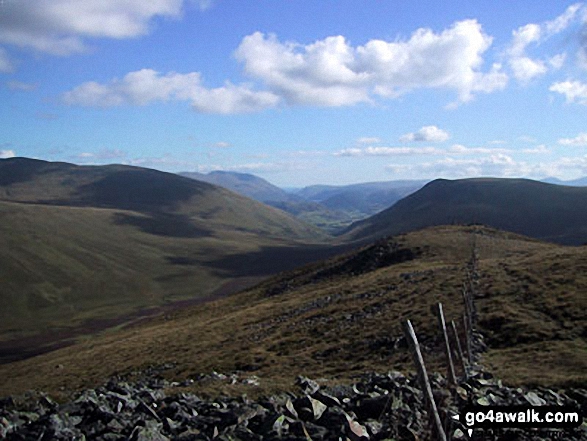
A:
468,320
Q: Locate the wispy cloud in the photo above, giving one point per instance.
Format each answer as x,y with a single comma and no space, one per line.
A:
101,155
495,165
388,151
526,68
368,140
579,140
455,149
499,165
538,150
5,154
459,149
221,145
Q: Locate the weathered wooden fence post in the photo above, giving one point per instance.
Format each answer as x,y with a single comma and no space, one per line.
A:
457,343
452,378
468,338
423,376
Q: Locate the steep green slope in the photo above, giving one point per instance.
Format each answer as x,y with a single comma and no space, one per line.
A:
544,211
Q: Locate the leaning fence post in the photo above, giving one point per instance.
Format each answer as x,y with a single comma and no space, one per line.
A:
423,376
468,338
452,378
455,336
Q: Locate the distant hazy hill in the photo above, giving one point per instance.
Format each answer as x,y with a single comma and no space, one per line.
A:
330,220
330,207
366,199
244,183
81,243
580,182
550,212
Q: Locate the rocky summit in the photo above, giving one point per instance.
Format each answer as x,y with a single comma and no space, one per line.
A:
377,406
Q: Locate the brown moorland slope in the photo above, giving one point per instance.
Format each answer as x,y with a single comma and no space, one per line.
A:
342,317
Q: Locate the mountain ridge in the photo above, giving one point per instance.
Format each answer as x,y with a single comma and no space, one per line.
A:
541,210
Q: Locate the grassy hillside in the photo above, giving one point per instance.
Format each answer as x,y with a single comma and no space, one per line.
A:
342,317
544,211
82,248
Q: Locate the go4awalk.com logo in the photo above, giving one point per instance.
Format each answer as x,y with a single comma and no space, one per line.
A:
519,417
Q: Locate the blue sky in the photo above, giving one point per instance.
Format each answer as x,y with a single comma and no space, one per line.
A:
299,92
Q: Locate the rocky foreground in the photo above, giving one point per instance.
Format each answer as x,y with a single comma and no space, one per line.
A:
376,407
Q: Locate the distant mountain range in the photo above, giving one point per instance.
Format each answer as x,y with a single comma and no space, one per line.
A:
580,182
329,207
366,198
544,211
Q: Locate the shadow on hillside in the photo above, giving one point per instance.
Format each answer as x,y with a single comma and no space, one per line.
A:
16,170
274,259
141,190
162,224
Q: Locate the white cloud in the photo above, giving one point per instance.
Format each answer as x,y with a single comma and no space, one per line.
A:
557,61
460,149
104,154
525,68
368,140
232,99
146,86
574,91
331,72
61,27
456,149
388,151
560,23
492,165
426,134
579,140
5,154
255,167
6,66
538,150
499,165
